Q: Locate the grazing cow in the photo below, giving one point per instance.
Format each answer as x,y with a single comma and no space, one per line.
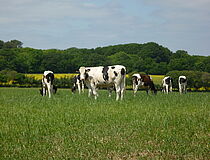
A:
107,76
167,84
47,83
182,84
77,83
143,80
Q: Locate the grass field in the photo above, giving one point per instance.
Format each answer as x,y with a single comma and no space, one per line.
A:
77,127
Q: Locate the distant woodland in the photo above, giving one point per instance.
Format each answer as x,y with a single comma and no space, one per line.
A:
150,58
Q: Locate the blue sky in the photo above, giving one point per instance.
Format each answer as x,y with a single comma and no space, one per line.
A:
61,24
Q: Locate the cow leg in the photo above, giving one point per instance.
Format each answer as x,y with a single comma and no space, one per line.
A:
90,93
185,89
135,89
117,87
49,89
180,89
93,92
170,88
89,90
110,89
83,86
167,89
93,89
44,91
78,86
122,89
163,89
147,90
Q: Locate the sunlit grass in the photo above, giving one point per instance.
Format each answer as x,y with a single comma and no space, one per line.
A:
71,126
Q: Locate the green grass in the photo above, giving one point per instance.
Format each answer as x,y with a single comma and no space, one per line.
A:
77,127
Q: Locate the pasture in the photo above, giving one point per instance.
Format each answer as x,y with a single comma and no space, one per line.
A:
77,127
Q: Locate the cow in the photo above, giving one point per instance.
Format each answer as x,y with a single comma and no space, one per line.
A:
107,76
77,83
143,80
167,84
47,84
182,84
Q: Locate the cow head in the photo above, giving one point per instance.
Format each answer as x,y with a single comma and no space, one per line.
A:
168,80
83,73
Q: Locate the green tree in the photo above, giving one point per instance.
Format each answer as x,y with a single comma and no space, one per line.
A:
13,44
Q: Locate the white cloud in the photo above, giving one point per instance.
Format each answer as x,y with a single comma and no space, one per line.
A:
177,24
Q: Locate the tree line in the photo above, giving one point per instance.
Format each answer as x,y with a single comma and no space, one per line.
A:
195,80
150,58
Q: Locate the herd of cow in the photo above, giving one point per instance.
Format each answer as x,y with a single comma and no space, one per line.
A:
111,77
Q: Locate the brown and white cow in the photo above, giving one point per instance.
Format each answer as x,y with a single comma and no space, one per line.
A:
47,84
143,80
182,84
167,84
107,76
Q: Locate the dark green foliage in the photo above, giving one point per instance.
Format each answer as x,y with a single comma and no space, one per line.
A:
151,58
63,82
12,78
11,44
195,79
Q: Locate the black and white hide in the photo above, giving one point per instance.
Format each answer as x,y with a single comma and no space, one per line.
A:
47,84
167,84
182,84
108,76
77,84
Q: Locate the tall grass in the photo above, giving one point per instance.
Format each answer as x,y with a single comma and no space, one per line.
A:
77,127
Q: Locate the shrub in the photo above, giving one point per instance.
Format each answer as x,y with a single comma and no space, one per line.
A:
195,79
12,78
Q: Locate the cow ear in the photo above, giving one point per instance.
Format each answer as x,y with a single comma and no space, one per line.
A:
87,70
77,71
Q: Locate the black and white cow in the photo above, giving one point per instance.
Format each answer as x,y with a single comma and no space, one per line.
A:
77,83
167,84
182,84
107,76
47,84
143,80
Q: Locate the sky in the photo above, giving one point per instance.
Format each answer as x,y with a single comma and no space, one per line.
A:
62,24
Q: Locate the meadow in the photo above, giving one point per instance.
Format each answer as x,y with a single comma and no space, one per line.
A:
71,126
